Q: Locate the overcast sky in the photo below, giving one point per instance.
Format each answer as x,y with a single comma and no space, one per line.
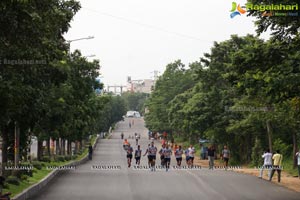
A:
135,37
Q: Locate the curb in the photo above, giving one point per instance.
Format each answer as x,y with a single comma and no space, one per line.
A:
35,188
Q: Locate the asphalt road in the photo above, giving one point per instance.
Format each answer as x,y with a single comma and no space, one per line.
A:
122,183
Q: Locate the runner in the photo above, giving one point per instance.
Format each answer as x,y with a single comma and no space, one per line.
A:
267,156
162,156
125,144
137,155
149,134
147,152
191,152
122,135
136,139
178,155
152,150
187,158
167,155
129,154
298,162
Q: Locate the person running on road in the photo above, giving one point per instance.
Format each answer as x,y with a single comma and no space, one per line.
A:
178,155
129,154
147,152
167,155
225,156
122,135
125,144
136,139
277,157
298,162
187,157
137,155
152,150
162,156
267,156
191,152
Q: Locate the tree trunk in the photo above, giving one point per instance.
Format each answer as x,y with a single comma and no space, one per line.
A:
69,147
17,144
39,150
63,144
4,148
80,144
48,147
270,133
294,149
57,147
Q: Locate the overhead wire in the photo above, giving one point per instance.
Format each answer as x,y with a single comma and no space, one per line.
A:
156,28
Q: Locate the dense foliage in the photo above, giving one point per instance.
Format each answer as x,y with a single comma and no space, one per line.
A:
244,94
45,90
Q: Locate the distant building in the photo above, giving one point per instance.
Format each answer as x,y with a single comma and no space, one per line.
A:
143,86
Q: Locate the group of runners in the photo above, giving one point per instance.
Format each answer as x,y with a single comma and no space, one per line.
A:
165,153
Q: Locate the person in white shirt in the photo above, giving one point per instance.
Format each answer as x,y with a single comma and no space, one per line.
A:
298,162
191,153
167,156
178,155
267,156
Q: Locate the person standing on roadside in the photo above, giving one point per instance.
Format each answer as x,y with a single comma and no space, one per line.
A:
277,160
298,162
211,156
267,156
225,156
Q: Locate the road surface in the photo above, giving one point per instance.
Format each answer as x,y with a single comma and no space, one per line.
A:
122,183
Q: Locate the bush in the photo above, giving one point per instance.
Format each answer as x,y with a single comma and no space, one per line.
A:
46,159
24,177
257,151
282,147
67,158
59,158
37,165
34,170
13,180
17,173
6,185
74,157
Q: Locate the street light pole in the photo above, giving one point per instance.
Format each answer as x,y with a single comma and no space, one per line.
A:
74,40
84,38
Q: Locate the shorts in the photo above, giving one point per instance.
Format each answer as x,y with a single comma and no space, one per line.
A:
151,158
138,158
179,159
226,159
187,158
168,160
191,158
162,157
129,156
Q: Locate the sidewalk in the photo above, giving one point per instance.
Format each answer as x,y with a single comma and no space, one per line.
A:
287,180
